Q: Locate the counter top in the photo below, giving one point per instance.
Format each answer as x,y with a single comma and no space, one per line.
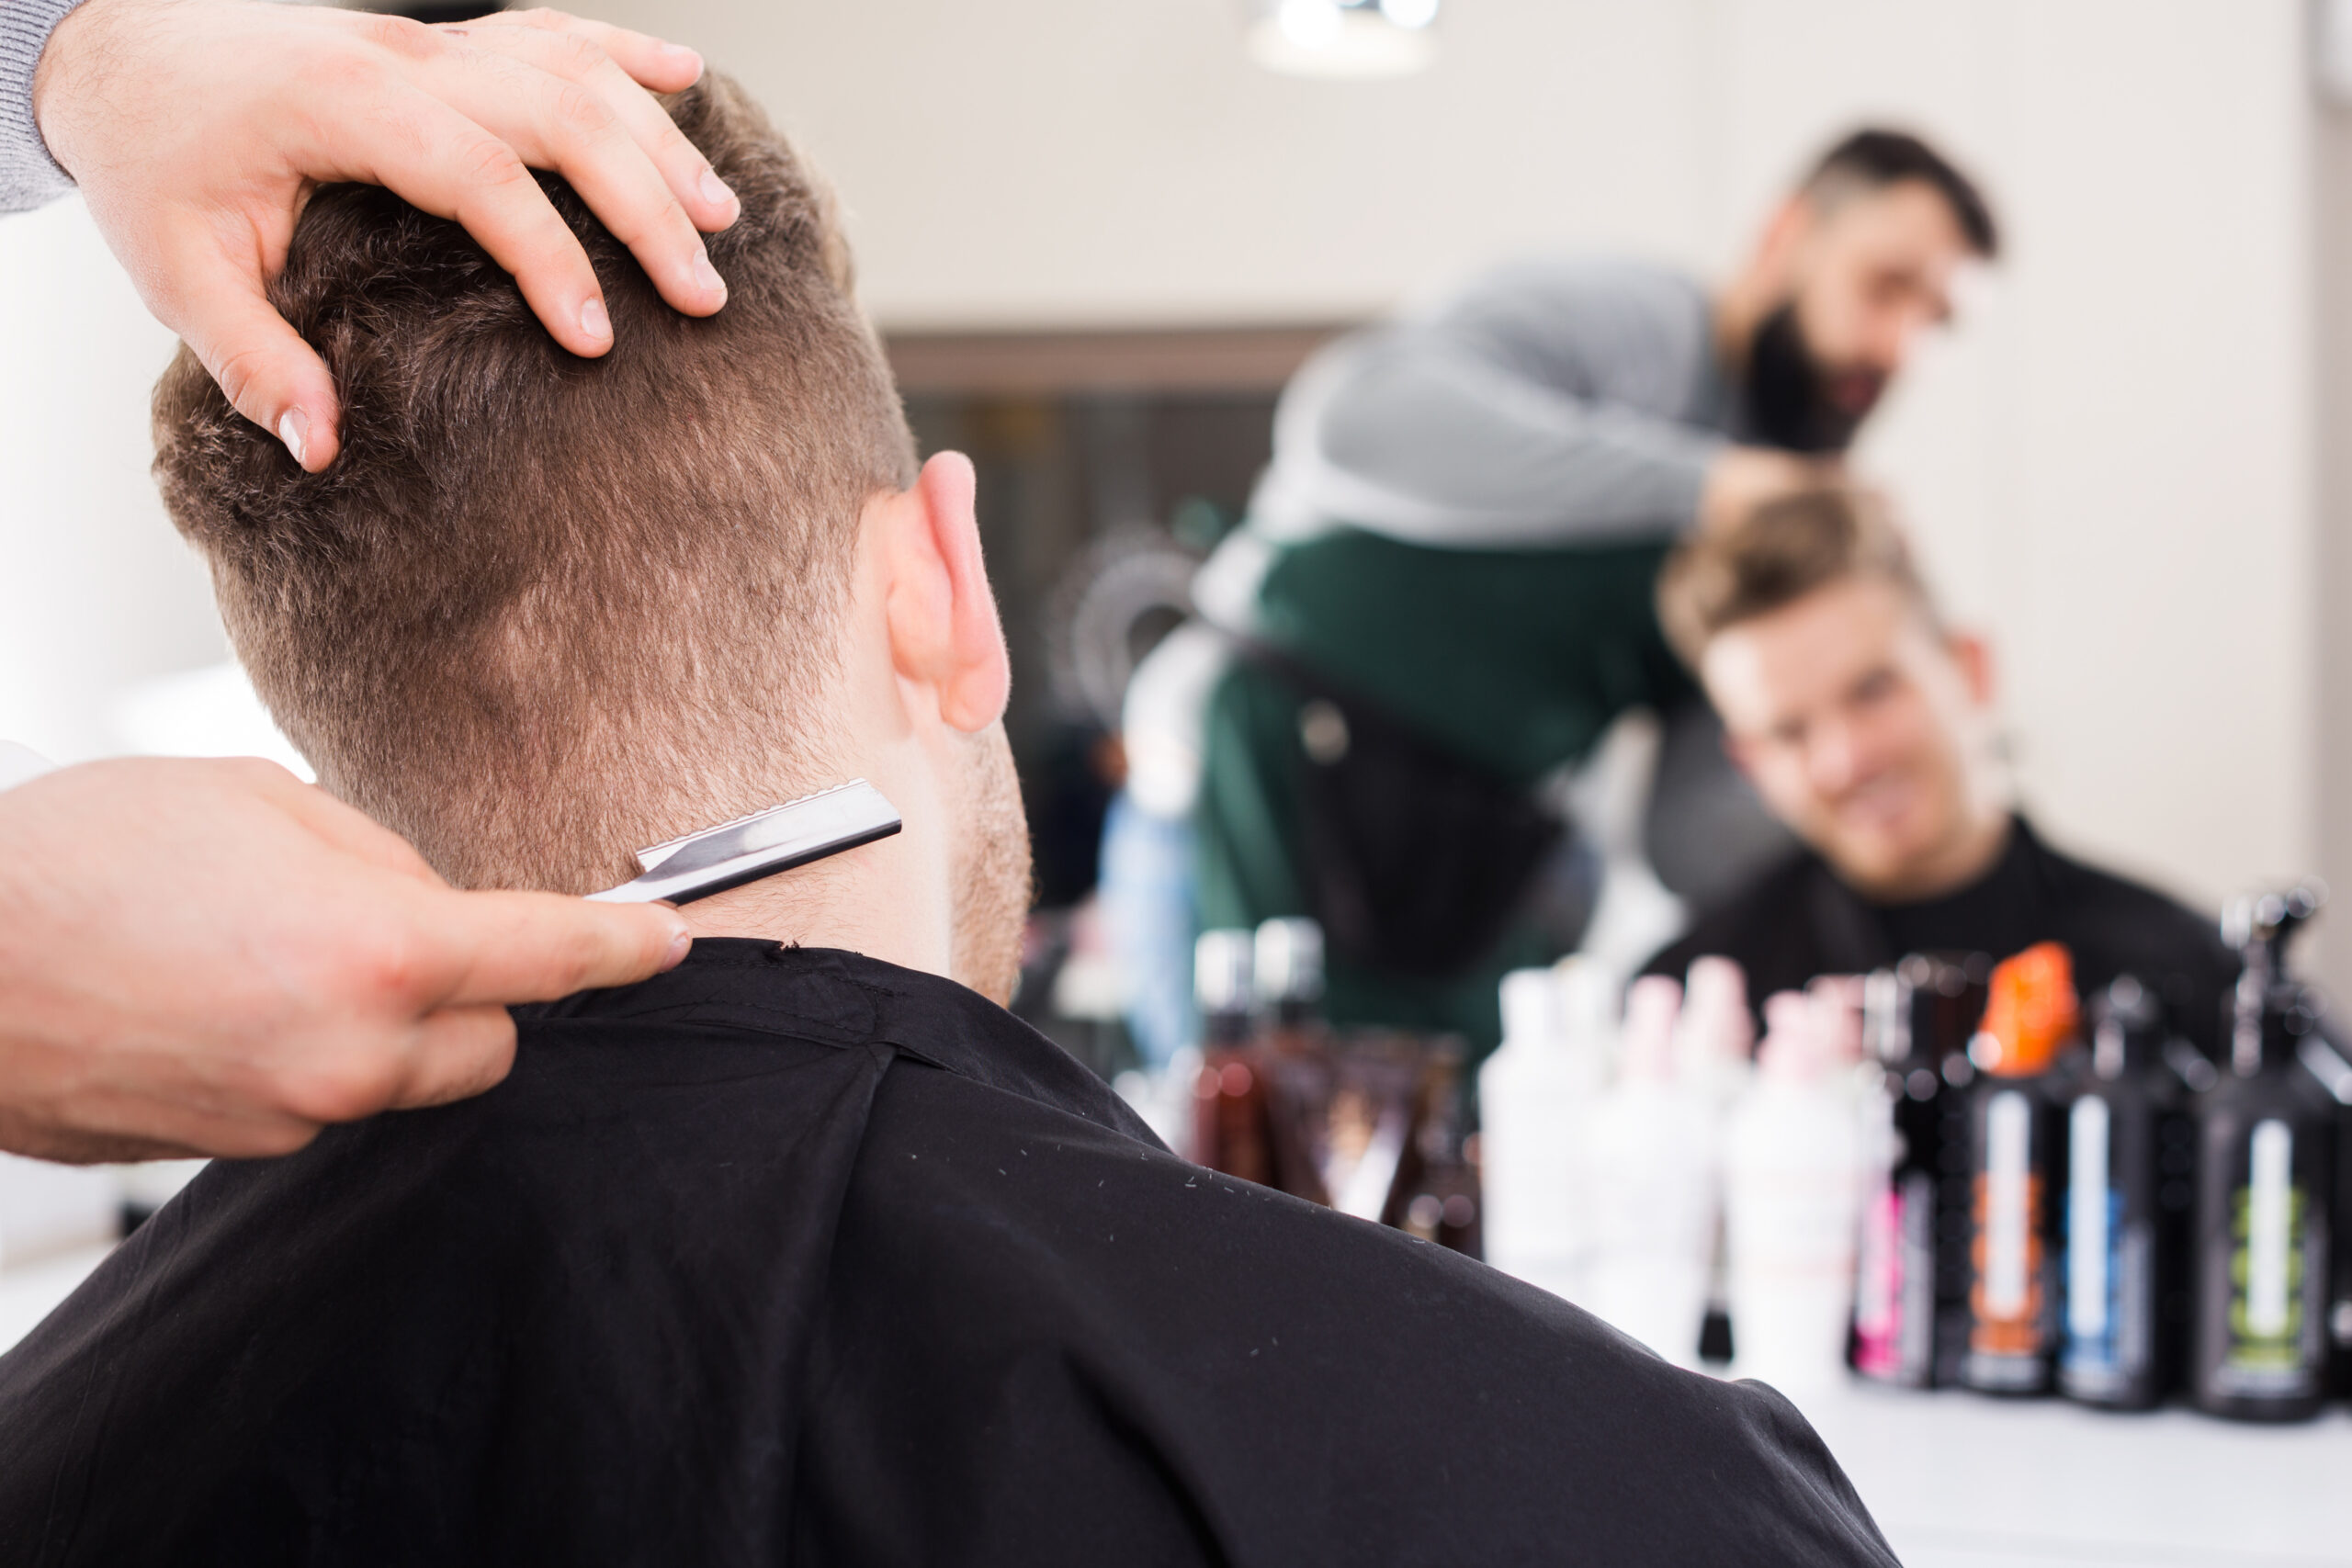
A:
1957,1480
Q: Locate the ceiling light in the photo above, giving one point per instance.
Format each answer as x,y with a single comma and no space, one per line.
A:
1359,39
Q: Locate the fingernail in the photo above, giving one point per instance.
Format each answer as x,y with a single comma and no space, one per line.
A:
714,189
593,320
680,945
681,55
707,276
294,429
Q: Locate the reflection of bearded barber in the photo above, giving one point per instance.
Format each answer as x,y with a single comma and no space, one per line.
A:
1454,548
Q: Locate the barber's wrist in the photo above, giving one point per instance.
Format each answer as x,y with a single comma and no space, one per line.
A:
1742,479
29,173
1688,481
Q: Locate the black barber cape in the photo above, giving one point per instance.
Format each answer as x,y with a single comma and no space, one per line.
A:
1802,921
790,1255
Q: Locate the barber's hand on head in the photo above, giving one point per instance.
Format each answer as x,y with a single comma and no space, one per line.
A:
197,129
210,956
1741,479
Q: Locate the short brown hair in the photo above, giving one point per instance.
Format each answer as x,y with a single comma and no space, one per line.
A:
543,610
1784,549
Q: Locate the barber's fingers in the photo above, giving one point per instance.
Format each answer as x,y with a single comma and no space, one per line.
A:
66,1147
471,955
191,1136
455,139
442,162
457,1054
272,376
583,53
663,66
554,121
506,947
157,1128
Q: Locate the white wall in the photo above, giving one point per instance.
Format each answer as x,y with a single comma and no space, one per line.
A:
96,589
2111,464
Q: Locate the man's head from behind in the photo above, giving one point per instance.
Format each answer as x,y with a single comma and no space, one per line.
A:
542,611
1853,265
1864,723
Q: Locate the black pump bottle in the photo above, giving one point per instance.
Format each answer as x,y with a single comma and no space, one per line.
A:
2130,1151
2265,1154
1911,1316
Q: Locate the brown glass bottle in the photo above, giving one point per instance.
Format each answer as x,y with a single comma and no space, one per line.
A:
1296,1055
1232,1128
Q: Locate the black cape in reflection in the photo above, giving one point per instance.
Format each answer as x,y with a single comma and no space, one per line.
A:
791,1255
1802,921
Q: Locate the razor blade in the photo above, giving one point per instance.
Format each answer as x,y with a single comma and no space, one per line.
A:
715,859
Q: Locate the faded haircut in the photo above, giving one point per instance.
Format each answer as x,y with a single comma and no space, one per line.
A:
1783,551
1874,158
542,610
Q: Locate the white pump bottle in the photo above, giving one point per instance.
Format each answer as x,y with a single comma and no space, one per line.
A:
1650,1163
1793,1159
1534,1095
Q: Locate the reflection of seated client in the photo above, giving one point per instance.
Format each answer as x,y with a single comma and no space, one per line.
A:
803,1250
1866,726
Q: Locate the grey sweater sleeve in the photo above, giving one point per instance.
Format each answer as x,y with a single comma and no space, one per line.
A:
28,175
1551,403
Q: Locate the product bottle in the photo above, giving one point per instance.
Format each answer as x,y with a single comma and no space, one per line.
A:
1287,967
2017,1159
1791,1185
1295,1053
1888,1345
1839,1018
1948,1007
1650,1155
1714,1041
2324,1055
1232,1130
2125,1223
1837,1009
2265,1147
1911,1299
1714,1053
1534,1093
1369,1130
1437,1195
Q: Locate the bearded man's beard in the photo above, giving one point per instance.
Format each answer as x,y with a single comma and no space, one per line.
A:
1789,401
991,873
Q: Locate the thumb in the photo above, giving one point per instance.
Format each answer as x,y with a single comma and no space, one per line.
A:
504,947
458,1053
268,371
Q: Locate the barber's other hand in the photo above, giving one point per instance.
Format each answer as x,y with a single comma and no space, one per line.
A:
1741,479
197,129
210,956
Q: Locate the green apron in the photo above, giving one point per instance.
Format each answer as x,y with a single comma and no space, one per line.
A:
1516,661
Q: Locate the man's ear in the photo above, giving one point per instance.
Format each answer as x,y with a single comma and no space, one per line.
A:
943,628
1741,755
1974,657
1777,248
